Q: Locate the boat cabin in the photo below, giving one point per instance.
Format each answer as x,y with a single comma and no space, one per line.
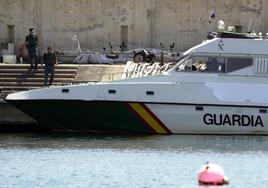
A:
240,56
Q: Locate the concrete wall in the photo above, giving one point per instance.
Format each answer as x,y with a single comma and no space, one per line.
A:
149,22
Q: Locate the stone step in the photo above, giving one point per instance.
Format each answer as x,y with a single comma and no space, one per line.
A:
9,89
34,75
41,79
30,84
27,66
25,71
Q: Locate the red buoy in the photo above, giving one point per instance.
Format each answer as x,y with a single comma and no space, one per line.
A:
212,174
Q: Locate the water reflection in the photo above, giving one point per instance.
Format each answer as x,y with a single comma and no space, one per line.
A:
227,144
129,161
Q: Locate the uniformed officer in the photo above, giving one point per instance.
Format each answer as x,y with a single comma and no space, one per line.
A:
31,42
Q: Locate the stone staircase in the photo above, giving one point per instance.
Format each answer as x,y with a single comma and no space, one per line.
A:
18,77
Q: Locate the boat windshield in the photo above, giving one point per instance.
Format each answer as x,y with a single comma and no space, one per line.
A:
213,64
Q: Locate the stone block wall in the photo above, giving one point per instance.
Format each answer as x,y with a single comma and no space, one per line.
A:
144,23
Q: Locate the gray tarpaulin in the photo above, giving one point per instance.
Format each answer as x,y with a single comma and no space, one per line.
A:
91,57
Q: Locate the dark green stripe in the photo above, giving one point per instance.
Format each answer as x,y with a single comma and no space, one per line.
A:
83,115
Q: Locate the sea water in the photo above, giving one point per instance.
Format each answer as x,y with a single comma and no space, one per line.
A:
123,161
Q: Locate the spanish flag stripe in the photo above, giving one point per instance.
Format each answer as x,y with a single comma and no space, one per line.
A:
147,117
141,119
156,118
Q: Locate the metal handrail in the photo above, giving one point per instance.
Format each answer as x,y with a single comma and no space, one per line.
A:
105,77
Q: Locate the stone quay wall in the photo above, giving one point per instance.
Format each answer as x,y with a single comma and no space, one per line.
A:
140,23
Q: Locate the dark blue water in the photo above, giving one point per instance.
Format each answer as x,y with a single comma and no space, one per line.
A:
129,161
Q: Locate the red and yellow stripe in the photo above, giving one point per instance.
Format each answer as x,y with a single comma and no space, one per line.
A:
149,118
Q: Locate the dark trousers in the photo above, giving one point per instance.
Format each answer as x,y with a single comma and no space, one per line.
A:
33,56
49,70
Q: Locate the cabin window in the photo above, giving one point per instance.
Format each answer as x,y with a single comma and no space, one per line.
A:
236,63
213,64
193,64
202,64
217,64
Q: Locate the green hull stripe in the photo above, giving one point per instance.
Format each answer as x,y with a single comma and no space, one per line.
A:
83,116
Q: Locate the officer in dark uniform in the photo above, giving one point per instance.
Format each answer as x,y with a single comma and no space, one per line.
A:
49,59
31,42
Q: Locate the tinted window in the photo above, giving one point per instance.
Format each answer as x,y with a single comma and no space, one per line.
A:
203,64
236,63
194,64
216,64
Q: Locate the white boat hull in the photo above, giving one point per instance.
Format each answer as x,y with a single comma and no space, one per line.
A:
210,119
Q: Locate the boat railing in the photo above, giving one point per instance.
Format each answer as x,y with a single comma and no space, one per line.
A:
137,70
102,78
131,71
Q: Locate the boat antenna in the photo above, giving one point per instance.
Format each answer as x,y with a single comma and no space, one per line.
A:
249,24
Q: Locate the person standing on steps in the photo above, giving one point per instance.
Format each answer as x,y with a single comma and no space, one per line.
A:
31,42
49,59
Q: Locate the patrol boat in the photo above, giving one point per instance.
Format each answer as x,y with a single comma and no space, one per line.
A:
219,87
